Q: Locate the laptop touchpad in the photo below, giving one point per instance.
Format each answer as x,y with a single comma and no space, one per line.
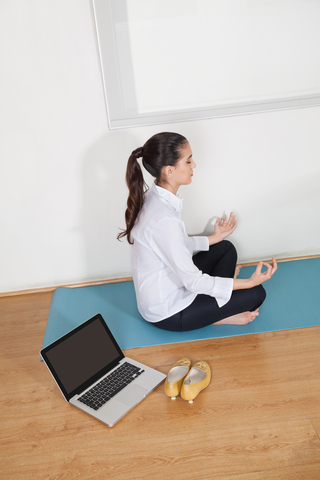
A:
131,395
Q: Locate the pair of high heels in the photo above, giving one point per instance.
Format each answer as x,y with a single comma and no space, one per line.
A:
186,380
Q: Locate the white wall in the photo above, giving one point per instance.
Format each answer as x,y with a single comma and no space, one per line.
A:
62,188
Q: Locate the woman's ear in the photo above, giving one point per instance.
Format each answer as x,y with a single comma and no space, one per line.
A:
168,170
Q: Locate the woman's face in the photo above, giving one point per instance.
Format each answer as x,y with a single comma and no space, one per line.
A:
183,170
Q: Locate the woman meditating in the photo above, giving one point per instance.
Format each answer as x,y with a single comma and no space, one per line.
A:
182,282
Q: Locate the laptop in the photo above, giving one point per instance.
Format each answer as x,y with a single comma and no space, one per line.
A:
94,375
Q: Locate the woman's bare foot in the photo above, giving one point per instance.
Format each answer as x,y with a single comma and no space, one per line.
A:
238,268
240,319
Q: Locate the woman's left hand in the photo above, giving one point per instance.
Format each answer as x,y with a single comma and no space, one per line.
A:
223,228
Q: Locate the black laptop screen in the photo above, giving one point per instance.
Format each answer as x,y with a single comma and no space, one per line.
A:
84,353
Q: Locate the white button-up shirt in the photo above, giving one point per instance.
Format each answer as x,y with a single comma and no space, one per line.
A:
165,278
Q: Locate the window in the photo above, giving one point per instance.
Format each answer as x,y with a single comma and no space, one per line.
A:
166,61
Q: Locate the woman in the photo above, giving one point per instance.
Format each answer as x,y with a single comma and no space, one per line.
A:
177,290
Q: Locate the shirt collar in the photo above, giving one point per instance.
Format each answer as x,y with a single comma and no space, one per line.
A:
175,200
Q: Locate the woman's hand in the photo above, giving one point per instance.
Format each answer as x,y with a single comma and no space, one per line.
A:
222,229
257,277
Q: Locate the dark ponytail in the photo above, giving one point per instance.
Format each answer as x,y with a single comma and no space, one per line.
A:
137,188
159,151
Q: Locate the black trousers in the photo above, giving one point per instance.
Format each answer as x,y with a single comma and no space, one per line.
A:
219,261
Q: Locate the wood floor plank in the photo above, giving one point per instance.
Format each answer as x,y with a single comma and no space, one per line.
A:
26,387
43,434
254,370
244,476
269,343
21,333
57,466
305,472
194,456
224,451
213,409
224,406
157,415
25,306
316,424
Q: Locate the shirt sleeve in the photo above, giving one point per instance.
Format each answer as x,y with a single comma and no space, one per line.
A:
169,243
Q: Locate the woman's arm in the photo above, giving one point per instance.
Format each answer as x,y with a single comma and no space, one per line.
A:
168,242
222,229
257,277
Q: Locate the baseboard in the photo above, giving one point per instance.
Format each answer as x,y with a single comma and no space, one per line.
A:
126,279
73,285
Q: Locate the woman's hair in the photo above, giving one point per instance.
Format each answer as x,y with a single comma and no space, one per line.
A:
159,151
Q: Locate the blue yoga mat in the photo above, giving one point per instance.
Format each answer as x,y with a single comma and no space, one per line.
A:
293,301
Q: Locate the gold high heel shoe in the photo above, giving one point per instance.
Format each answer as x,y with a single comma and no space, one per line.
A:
175,377
197,379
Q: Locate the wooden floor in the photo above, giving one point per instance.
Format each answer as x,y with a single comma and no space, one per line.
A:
258,419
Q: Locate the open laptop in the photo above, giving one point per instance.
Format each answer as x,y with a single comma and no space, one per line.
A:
94,375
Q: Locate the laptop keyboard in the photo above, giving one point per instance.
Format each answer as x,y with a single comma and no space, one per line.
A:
103,391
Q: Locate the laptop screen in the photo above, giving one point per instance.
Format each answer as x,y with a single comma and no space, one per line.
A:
81,357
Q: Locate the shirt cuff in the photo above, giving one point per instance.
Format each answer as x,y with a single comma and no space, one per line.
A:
222,290
200,244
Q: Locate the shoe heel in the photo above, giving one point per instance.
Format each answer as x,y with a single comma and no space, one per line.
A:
175,377
197,379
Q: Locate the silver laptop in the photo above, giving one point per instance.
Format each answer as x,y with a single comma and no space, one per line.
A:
94,375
